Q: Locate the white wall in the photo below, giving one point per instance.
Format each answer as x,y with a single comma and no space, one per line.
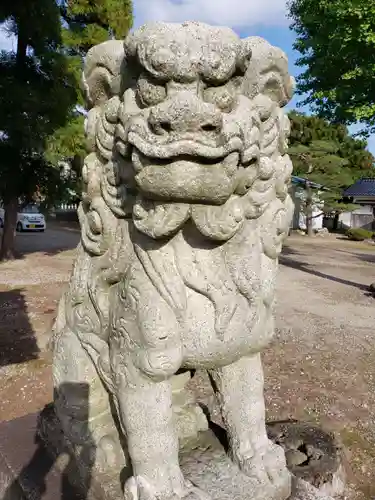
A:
298,195
317,222
345,219
350,219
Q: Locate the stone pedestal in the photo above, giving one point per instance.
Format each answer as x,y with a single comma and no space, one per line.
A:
203,460
29,470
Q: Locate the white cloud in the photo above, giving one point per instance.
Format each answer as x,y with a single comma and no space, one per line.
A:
233,13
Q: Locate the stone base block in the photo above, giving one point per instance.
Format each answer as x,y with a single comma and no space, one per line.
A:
209,467
28,470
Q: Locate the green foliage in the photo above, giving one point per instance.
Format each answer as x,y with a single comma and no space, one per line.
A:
36,90
68,143
36,23
25,172
67,146
90,22
40,85
36,103
359,234
86,23
336,40
326,154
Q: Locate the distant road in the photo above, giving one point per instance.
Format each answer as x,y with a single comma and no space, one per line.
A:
54,239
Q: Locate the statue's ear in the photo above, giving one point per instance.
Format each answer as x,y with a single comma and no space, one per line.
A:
101,78
267,72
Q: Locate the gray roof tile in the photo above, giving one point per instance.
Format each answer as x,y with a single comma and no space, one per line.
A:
363,187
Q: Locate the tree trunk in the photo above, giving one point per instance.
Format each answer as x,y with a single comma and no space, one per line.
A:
336,222
7,251
309,210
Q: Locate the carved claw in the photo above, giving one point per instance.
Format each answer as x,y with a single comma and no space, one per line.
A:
268,466
137,488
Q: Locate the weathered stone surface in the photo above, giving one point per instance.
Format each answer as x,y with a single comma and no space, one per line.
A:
28,472
184,211
302,490
312,454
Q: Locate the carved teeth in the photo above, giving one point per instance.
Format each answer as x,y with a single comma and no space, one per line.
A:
181,147
230,161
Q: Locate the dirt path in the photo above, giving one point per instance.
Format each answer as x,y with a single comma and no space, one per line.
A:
30,288
321,366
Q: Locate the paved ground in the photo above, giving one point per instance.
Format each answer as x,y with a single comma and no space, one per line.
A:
54,240
321,366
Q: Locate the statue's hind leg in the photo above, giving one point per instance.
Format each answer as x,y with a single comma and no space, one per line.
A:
239,388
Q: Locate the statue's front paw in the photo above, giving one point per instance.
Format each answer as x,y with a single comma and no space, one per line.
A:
266,466
194,493
138,488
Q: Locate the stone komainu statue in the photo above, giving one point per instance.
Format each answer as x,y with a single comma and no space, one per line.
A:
185,206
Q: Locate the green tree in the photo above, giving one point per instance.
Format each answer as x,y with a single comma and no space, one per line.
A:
89,22
36,91
67,147
326,154
86,23
336,40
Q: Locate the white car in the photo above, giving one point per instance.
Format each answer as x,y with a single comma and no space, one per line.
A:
28,219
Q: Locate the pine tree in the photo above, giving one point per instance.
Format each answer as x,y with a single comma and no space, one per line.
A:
36,90
90,22
86,23
326,154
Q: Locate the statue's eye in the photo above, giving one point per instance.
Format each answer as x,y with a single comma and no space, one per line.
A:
150,91
224,97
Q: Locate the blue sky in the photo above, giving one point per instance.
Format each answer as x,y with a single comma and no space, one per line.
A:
265,18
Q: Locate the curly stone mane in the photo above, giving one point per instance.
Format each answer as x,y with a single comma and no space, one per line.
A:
184,210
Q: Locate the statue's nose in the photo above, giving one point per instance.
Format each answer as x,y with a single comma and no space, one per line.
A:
185,113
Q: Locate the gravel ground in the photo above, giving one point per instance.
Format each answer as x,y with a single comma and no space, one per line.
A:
320,367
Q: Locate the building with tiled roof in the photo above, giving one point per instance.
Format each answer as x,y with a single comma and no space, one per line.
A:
362,191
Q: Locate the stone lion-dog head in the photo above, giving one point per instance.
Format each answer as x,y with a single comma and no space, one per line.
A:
188,123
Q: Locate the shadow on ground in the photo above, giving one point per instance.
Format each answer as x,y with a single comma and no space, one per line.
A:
17,337
364,257
54,240
367,257
287,250
305,267
30,471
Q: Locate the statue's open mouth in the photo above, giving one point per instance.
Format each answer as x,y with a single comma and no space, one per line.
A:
228,162
186,170
202,151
